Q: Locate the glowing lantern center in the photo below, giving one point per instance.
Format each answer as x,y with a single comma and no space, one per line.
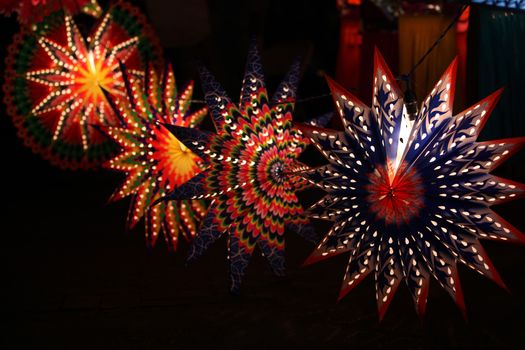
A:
395,198
277,171
175,162
183,148
94,76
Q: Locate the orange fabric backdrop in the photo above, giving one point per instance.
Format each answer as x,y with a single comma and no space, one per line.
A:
416,35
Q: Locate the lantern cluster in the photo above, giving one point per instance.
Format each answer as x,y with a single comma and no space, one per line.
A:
509,4
408,199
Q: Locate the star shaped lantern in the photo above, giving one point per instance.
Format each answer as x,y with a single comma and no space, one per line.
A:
250,171
154,160
55,76
33,11
410,200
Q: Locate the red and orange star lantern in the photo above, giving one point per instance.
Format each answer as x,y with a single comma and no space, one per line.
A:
34,11
154,160
54,81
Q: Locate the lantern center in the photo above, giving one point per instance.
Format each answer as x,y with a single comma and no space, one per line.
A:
94,76
395,199
277,171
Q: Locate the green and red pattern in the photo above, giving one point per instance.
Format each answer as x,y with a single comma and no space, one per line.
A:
250,176
154,160
54,79
33,11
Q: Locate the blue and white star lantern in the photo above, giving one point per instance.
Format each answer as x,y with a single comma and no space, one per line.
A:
410,200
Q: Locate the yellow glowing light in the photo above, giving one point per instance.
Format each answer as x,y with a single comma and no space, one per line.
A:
180,158
94,76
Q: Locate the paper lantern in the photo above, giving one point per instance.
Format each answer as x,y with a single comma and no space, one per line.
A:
153,159
510,4
33,11
250,177
54,80
409,202
390,8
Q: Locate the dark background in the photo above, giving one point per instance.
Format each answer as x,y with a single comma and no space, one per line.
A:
76,279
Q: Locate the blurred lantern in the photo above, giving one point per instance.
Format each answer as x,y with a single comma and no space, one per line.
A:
392,9
509,4
33,11
54,80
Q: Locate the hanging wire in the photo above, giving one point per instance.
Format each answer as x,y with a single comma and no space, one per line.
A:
410,97
403,77
438,41
306,99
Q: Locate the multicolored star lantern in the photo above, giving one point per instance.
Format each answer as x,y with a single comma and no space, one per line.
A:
34,11
409,202
154,160
54,81
250,177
